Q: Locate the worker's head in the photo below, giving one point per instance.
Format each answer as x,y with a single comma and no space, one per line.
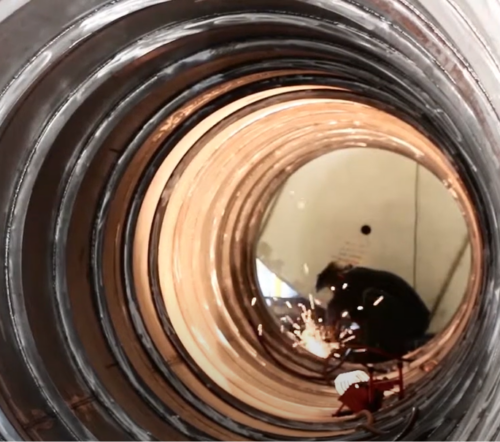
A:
331,275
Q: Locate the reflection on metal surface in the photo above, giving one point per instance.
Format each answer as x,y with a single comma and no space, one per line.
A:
225,170
141,143
412,251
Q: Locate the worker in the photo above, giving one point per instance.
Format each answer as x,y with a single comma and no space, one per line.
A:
375,312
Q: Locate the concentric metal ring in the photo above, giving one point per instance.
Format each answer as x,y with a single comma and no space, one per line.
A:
94,102
197,226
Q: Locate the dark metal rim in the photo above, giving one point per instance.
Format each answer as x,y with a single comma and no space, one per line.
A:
19,317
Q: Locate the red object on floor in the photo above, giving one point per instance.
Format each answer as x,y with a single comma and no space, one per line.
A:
386,384
357,396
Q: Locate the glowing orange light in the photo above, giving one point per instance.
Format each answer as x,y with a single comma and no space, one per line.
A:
311,337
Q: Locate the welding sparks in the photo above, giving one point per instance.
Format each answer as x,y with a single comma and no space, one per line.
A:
307,330
310,335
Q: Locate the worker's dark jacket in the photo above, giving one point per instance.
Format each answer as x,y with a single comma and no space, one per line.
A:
375,308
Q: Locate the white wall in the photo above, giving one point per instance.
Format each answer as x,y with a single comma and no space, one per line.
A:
318,215
8,7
